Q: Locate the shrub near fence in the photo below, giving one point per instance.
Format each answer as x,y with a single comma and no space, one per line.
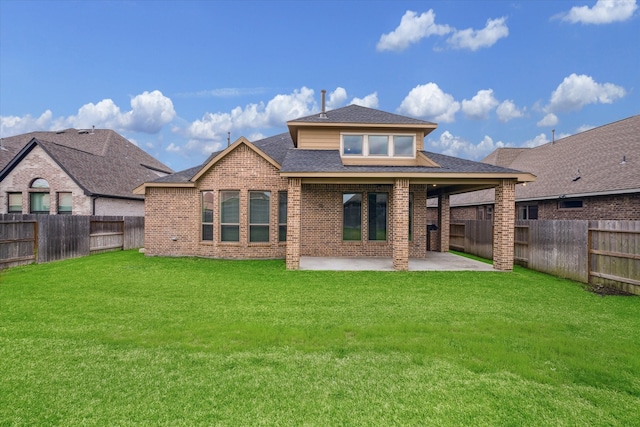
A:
43,238
603,253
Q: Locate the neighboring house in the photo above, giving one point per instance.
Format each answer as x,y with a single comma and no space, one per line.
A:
347,182
80,172
590,175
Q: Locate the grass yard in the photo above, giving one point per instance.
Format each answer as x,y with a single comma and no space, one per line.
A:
121,339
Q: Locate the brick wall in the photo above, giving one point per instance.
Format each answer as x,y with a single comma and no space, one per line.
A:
622,207
321,221
173,216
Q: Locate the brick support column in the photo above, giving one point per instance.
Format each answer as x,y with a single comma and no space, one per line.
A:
294,195
504,225
401,224
444,215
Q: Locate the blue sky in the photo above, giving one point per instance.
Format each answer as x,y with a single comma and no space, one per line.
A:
175,77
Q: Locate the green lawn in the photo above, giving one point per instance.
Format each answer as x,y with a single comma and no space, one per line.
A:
122,339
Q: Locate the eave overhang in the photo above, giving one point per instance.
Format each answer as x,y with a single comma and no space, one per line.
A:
141,189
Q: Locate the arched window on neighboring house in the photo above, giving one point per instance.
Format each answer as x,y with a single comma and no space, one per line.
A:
39,198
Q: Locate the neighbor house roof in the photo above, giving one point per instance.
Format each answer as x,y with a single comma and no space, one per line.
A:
600,161
100,161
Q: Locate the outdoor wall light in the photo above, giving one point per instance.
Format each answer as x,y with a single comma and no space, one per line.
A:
174,238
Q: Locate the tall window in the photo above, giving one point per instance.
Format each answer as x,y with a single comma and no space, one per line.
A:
230,216
207,215
377,216
351,216
259,207
39,201
65,203
15,203
282,216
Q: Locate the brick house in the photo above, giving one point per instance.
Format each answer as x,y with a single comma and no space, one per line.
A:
79,172
346,182
591,175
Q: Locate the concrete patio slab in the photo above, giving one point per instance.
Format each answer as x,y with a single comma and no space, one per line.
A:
435,261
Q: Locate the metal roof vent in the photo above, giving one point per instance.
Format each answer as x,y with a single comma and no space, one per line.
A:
323,114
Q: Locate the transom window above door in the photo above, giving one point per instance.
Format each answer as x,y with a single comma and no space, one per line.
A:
377,145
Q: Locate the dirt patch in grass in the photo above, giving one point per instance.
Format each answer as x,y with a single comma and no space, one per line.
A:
603,290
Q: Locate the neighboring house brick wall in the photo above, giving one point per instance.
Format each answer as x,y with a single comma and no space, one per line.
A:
173,216
622,207
37,164
124,207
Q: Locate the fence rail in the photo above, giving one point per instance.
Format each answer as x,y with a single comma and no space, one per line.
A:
605,253
42,238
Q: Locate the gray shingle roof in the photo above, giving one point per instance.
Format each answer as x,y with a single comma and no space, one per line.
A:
597,154
298,160
358,114
101,161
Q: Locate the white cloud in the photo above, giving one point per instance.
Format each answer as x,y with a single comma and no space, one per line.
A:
548,120
537,140
369,101
476,39
412,29
14,125
603,12
150,111
480,105
431,102
458,147
214,126
336,98
173,148
576,91
507,110
584,128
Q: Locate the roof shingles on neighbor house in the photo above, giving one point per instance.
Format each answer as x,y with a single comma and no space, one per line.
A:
101,161
602,161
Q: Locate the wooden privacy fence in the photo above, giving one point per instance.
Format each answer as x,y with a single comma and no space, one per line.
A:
42,238
603,253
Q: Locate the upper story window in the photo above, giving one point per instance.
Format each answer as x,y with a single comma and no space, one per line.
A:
377,145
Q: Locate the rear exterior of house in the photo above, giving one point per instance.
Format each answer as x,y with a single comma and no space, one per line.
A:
347,182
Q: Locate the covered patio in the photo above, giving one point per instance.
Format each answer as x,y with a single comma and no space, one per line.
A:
435,261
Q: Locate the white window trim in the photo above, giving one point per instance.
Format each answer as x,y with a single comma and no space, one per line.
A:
365,145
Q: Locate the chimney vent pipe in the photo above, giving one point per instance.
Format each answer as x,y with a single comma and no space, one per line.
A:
323,114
